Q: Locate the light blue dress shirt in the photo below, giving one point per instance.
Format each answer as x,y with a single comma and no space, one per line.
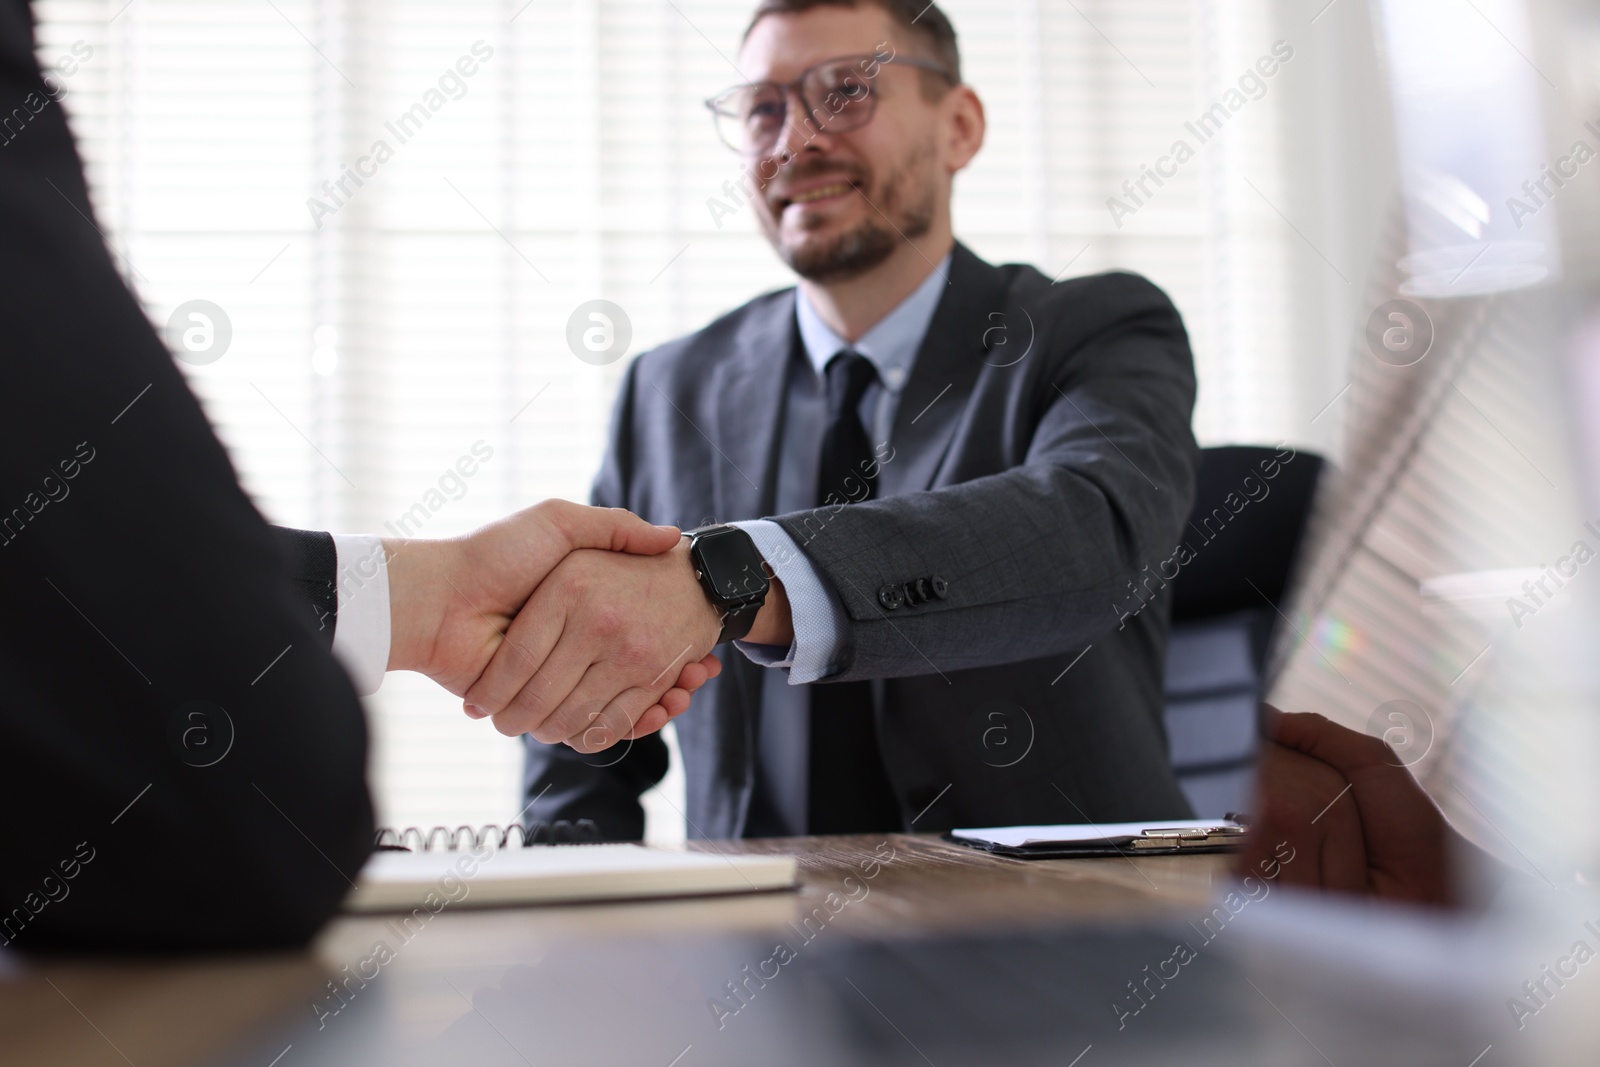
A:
820,623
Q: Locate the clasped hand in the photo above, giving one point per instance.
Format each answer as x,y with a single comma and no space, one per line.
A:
1354,817
574,624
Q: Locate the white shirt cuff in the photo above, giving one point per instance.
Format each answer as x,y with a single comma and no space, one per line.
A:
361,630
820,622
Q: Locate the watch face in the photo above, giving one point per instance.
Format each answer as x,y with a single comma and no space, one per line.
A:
732,566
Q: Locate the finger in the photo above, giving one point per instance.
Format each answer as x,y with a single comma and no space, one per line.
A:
674,702
1323,835
1298,851
614,722
592,705
711,665
621,713
652,721
520,654
615,529
692,677
1344,850
533,709
1339,747
1382,778
1289,791
697,674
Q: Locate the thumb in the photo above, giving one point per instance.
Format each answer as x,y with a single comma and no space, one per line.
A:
617,530
1343,749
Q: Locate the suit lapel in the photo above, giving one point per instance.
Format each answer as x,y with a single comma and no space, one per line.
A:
967,319
748,430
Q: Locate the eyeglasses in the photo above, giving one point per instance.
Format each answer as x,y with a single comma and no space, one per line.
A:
836,94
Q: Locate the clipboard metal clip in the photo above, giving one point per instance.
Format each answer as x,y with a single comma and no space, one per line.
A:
1181,838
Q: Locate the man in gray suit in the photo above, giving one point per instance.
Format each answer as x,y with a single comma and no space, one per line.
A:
965,468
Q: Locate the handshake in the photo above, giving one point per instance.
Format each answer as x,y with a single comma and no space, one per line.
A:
574,624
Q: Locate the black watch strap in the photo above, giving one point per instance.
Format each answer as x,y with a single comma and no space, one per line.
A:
736,622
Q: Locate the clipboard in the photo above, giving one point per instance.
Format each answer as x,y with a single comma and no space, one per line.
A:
1099,840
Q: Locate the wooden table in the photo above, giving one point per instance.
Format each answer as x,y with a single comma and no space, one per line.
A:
152,1013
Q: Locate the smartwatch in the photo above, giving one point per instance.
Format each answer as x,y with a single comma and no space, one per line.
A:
732,573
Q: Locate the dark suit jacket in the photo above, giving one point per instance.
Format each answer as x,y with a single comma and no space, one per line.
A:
1042,456
181,760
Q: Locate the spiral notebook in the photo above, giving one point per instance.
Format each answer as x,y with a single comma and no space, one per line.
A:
502,866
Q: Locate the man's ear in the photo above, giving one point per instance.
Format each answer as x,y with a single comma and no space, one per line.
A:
964,127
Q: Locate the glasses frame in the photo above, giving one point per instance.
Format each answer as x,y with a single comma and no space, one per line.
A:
792,91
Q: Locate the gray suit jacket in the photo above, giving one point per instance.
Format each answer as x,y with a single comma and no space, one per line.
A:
1042,456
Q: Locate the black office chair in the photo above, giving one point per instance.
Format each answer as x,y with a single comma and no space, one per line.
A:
1244,534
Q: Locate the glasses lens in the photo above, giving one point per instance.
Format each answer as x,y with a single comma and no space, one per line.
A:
750,117
839,96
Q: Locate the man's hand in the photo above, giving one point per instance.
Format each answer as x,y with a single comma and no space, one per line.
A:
451,601
1305,803
593,651
1398,848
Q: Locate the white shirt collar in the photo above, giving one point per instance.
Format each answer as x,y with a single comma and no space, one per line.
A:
892,343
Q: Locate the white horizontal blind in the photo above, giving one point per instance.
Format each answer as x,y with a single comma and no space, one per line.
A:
383,335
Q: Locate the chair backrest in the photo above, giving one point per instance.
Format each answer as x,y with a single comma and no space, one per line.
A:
1233,570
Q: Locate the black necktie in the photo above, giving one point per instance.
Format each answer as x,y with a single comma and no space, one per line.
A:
849,791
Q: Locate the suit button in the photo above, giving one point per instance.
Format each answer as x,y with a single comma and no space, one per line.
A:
910,591
924,590
941,588
892,597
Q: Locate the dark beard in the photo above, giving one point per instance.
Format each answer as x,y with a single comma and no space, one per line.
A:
849,255
852,254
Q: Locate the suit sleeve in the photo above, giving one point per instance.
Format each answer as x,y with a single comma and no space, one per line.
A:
310,566
1036,560
182,758
605,787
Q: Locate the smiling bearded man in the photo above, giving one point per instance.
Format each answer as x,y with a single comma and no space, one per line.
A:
933,479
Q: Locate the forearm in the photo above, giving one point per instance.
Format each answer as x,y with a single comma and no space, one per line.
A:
773,625
1044,566
418,574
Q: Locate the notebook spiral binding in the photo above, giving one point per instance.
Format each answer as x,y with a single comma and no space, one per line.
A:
444,839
